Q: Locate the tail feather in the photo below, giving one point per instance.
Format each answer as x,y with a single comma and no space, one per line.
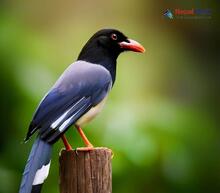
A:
37,167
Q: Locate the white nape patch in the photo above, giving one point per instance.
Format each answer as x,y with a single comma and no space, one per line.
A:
60,119
41,174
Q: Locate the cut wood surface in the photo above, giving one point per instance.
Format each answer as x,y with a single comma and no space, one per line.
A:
86,171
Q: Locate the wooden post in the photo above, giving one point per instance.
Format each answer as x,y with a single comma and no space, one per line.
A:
86,171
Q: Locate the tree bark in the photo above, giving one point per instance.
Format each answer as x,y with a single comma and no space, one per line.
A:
86,171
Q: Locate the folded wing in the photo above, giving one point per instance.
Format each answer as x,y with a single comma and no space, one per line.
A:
82,86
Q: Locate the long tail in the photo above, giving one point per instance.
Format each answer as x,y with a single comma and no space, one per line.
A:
37,167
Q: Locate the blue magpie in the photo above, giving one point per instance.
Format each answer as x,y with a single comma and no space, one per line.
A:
75,99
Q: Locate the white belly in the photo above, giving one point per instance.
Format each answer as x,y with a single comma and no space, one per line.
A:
92,113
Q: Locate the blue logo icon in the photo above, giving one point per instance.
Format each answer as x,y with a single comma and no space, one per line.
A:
168,14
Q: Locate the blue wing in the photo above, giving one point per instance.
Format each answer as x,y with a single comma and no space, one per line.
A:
82,86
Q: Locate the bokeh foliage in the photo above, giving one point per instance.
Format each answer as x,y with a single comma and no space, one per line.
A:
161,117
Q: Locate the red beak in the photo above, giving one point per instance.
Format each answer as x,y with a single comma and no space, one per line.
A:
132,45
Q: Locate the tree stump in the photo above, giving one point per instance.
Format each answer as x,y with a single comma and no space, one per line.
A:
86,171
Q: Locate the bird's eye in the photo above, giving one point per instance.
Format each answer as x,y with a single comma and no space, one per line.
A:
114,37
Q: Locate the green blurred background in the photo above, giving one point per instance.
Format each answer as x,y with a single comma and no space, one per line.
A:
161,117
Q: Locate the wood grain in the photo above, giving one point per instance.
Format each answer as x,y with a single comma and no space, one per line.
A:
86,171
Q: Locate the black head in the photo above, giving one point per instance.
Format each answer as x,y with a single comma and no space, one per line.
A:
105,46
107,43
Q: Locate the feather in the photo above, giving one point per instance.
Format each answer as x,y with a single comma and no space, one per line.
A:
81,86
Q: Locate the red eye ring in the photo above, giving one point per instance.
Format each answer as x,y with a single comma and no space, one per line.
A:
114,37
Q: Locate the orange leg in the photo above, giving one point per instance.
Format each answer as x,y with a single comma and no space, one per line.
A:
66,143
89,146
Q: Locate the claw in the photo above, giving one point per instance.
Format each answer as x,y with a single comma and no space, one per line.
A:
89,148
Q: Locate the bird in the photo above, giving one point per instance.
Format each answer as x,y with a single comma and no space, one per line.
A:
76,98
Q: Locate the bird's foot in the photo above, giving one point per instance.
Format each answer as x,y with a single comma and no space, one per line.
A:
88,148
68,148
